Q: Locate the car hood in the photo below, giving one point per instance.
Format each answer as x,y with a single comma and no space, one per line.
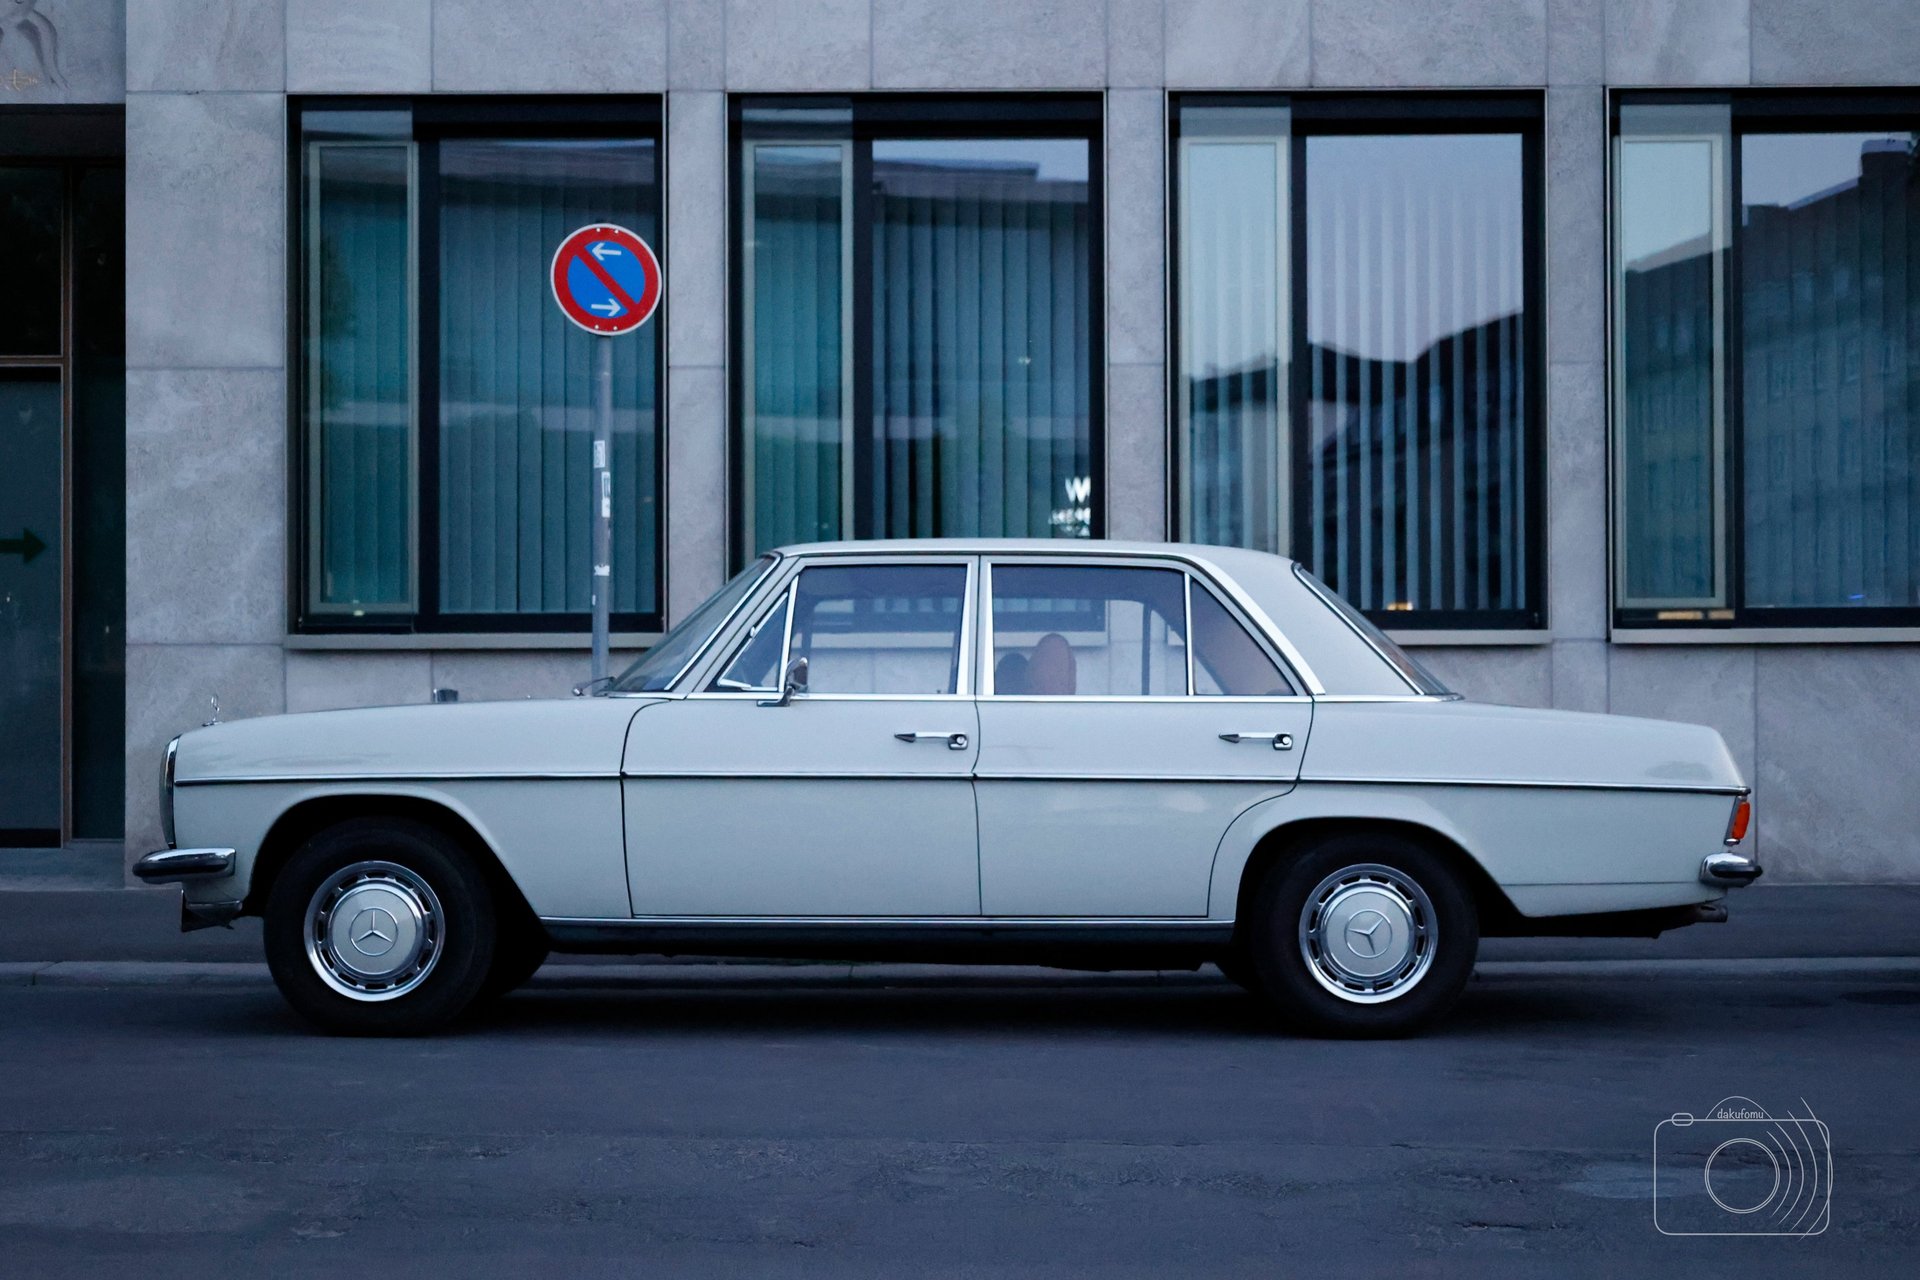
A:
547,736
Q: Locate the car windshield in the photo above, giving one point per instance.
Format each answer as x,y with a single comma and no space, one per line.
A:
1423,680
661,665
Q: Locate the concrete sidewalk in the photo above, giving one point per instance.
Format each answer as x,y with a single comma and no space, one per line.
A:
64,925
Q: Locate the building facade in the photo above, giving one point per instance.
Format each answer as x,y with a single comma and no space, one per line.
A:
1576,341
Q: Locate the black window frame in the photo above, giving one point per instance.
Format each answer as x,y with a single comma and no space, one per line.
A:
1810,110
1397,113
435,119
918,116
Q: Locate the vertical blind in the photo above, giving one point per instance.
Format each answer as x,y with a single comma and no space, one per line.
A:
516,396
359,371
1416,442
1375,418
1235,338
976,357
1792,298
1671,244
982,299
799,402
1830,334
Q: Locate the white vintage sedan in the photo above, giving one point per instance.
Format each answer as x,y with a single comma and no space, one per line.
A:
1099,755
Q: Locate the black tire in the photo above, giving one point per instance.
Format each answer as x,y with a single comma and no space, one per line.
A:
385,863
1236,968
519,955
1300,977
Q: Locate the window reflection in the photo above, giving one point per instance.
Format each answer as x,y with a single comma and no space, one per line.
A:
1830,271
1416,370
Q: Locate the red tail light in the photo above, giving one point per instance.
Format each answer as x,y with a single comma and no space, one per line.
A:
1742,817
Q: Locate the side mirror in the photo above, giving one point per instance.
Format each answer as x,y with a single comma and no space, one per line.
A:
795,681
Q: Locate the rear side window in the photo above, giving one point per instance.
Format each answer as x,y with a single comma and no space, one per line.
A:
1089,631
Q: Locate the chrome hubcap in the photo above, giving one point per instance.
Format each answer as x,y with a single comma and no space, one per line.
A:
1367,933
374,931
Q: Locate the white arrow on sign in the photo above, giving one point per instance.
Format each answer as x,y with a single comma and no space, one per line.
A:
611,308
601,252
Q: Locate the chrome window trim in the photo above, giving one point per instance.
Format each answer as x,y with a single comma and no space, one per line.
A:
1199,701
311,779
711,695
1167,779
1391,697
1186,602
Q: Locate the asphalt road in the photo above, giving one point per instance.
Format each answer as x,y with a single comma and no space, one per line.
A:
1765,921
993,1131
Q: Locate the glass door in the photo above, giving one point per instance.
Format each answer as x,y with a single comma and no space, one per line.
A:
30,606
62,503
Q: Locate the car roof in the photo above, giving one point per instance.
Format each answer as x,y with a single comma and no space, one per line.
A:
1223,556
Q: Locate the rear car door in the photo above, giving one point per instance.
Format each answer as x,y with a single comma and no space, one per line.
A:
1127,715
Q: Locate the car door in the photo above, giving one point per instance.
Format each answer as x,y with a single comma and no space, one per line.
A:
854,796
1127,715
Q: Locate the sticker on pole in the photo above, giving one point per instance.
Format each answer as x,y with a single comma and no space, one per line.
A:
605,279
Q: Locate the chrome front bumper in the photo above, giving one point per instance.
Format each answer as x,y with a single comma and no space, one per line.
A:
175,866
1729,869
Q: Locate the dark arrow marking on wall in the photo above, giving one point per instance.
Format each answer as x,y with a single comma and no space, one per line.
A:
26,546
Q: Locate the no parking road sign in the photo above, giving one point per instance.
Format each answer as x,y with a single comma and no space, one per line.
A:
606,279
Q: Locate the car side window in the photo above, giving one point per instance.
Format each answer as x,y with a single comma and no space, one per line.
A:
1088,631
880,628
1227,661
755,668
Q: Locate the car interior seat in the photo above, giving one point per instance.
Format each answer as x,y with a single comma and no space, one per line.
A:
1051,669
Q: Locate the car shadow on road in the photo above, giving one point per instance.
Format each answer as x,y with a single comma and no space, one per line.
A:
1221,1011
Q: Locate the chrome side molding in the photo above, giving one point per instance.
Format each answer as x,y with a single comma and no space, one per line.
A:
168,866
1729,868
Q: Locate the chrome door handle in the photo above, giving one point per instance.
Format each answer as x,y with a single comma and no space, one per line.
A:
1278,741
954,741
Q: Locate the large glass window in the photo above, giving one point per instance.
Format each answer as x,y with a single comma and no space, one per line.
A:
447,405
917,319
1766,360
1358,345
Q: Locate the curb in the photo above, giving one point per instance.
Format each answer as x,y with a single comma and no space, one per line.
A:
787,977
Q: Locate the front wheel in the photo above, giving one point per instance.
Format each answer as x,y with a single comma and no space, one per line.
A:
1363,935
380,927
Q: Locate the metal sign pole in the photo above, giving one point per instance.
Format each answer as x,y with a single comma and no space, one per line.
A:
607,281
602,503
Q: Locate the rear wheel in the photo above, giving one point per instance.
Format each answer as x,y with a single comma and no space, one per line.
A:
380,927
1363,935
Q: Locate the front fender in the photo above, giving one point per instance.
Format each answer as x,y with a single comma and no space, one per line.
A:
558,840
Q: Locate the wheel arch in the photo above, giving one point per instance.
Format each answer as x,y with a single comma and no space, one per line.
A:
1263,837
308,817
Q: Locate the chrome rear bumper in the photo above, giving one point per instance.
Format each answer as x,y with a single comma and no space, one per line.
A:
171,866
1729,868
